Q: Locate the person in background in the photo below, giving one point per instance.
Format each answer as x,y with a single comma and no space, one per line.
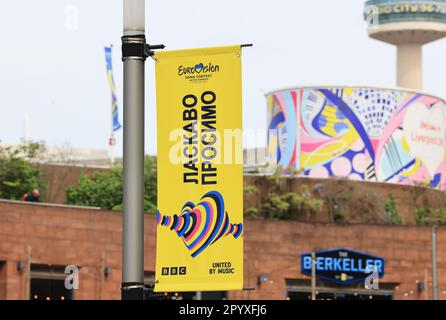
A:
33,196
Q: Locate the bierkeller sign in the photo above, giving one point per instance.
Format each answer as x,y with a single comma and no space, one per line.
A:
343,265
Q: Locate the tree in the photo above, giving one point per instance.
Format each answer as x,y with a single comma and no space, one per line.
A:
105,189
18,175
100,189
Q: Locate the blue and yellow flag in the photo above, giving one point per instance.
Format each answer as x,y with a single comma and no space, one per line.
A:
111,82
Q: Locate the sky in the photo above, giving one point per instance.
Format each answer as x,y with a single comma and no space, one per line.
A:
52,63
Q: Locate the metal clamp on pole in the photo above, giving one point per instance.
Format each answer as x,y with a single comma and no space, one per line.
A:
134,47
132,291
150,295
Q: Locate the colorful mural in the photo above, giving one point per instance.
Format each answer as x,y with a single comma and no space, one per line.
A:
368,134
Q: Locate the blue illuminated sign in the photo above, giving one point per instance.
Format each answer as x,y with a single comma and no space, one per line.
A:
343,265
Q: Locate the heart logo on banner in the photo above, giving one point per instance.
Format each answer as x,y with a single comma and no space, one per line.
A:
199,68
425,133
201,225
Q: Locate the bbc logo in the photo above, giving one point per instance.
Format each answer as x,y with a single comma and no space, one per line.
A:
173,271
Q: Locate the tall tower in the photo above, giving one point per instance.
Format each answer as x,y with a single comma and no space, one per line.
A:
408,24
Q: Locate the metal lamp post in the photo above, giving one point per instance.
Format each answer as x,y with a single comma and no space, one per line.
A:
434,264
133,57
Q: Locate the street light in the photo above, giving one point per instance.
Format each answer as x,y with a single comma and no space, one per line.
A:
133,57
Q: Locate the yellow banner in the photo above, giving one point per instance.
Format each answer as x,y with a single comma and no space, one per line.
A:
200,170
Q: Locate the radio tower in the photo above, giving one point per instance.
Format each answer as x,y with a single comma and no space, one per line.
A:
408,24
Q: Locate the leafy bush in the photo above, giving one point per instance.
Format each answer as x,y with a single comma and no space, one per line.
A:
150,184
279,202
276,208
248,189
429,205
105,189
289,205
100,189
252,212
428,217
18,175
390,208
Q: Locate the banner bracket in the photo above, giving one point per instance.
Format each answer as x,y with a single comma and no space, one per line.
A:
137,48
150,48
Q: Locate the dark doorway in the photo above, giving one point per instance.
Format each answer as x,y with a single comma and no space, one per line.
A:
48,283
45,289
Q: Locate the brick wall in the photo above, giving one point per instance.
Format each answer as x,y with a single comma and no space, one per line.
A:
62,235
407,198
60,177
274,248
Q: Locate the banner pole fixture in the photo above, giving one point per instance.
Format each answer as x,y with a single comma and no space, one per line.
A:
134,54
133,57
